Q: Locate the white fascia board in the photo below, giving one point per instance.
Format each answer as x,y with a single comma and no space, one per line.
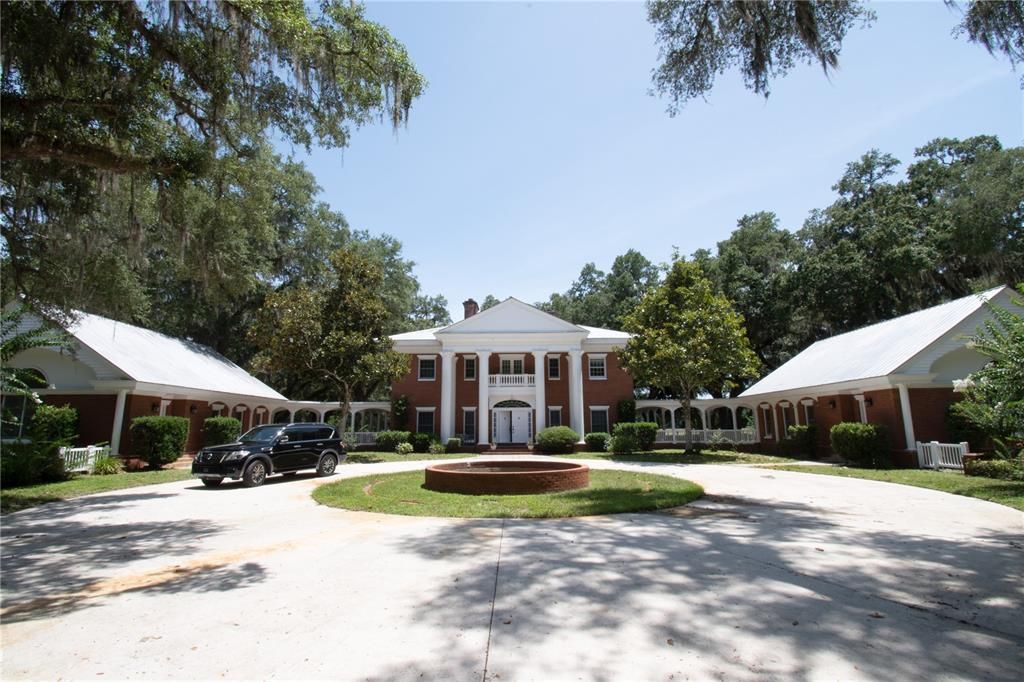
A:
603,346
857,386
515,342
185,393
417,347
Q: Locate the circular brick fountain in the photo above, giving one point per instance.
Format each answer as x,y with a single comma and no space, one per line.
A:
506,477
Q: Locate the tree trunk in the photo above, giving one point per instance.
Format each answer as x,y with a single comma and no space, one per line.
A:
685,400
345,404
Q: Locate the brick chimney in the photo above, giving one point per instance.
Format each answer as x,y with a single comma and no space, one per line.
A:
469,308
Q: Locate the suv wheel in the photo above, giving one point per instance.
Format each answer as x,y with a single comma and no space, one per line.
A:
327,465
212,482
255,474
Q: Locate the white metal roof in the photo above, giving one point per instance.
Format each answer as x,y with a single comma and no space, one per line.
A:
599,334
151,357
874,351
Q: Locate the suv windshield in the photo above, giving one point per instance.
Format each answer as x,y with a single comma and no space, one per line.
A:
262,434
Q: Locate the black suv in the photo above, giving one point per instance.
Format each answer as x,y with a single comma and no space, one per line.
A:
271,449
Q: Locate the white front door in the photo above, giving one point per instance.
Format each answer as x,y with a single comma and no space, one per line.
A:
511,425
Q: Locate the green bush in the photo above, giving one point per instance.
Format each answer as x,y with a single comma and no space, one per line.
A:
29,463
387,441
220,430
453,445
404,448
400,410
634,437
159,440
557,440
719,442
627,410
803,440
107,465
52,424
597,441
421,442
961,429
1005,469
865,445
437,449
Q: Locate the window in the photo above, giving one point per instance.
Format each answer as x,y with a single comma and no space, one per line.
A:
468,425
554,367
424,420
808,413
597,367
599,420
554,416
511,364
470,371
766,415
787,417
428,368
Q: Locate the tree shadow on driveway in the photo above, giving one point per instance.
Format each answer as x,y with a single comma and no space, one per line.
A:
64,557
742,590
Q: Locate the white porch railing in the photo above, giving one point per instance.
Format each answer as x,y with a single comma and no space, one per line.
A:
499,380
707,435
363,437
82,459
936,455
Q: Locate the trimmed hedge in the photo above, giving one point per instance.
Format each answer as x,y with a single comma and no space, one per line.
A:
453,445
52,424
159,440
220,430
803,440
404,448
421,442
29,463
634,437
865,445
627,410
387,441
597,441
557,440
1005,469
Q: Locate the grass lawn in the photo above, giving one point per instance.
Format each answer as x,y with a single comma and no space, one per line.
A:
1009,493
680,457
373,457
13,499
610,492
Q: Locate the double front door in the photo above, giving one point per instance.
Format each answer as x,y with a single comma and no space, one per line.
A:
512,425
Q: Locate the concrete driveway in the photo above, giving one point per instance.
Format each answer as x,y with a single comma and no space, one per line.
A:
774,575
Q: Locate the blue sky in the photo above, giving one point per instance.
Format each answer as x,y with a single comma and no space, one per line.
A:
537,148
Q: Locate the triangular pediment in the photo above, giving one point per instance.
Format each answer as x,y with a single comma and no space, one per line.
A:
512,316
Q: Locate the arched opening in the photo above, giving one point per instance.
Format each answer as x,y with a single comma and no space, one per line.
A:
511,403
720,418
17,410
371,421
281,417
512,422
306,415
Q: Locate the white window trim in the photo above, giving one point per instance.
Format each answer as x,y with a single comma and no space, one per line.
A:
603,357
607,417
557,409
467,419
512,359
767,415
420,410
419,367
465,367
548,360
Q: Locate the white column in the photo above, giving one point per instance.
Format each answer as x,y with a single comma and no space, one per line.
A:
757,424
539,373
483,377
672,419
908,419
115,434
576,392
447,395
863,409
735,424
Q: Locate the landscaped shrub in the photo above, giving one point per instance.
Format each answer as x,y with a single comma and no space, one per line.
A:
597,441
52,424
865,445
557,440
404,448
719,442
421,441
1008,470
399,410
437,449
387,441
963,429
803,440
453,445
106,465
634,436
627,410
159,440
220,430
28,463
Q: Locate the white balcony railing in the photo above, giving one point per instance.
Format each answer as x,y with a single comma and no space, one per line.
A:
517,380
